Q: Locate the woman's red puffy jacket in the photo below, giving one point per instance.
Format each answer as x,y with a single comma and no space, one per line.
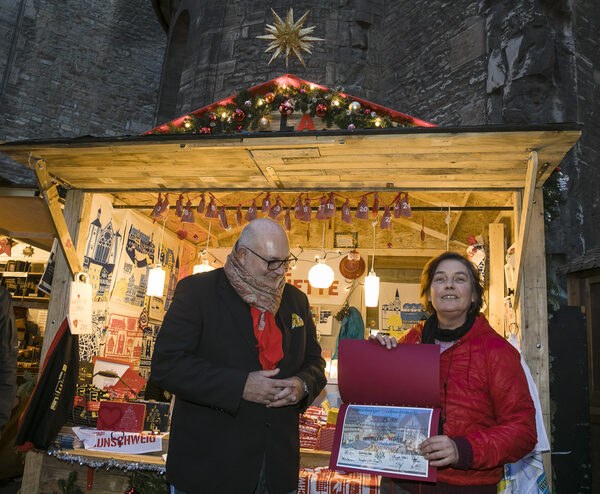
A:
487,402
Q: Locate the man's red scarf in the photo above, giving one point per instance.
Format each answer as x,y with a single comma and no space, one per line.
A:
264,301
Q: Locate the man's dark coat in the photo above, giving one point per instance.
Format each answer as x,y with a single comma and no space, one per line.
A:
203,354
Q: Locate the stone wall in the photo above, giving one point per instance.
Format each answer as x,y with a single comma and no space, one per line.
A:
75,68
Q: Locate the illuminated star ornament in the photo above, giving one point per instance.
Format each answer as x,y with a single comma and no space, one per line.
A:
289,37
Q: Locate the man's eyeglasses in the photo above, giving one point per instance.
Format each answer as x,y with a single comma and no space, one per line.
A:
274,264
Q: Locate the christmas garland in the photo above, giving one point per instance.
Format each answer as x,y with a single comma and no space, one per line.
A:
252,112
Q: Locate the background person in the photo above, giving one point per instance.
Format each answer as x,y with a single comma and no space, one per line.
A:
487,417
238,348
8,357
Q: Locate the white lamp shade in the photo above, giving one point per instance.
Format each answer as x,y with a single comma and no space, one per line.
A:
372,290
156,282
320,275
203,267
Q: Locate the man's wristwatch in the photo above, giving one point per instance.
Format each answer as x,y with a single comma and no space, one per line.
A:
304,387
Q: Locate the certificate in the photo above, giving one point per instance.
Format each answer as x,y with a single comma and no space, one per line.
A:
385,440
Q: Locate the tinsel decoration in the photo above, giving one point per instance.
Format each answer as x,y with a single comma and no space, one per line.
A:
276,209
201,204
188,213
94,462
346,214
238,215
211,210
386,219
362,211
251,214
179,206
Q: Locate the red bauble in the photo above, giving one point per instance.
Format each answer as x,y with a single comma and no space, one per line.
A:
239,115
286,108
321,110
269,97
212,117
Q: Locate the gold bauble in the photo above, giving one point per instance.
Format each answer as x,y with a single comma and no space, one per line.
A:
264,123
354,107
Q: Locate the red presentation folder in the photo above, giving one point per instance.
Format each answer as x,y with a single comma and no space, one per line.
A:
391,404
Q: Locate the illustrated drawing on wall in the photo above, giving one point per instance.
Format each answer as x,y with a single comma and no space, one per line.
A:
400,308
101,253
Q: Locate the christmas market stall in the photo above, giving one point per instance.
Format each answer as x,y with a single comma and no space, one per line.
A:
367,195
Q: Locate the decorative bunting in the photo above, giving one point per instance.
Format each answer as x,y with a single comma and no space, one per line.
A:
266,204
375,209
330,206
179,206
346,216
201,204
188,214
386,220
276,210
238,215
362,212
298,211
405,207
321,212
211,210
223,218
252,214
287,221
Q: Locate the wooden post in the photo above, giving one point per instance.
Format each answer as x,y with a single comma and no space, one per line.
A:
61,282
533,311
496,291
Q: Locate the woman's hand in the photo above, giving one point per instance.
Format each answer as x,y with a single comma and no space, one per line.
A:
440,451
385,340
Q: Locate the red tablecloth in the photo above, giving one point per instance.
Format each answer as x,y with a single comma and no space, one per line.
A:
325,481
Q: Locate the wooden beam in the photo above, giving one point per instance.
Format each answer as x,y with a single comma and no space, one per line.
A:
50,194
459,213
533,313
417,226
61,281
524,227
496,287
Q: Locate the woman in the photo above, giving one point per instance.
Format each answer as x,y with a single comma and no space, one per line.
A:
487,417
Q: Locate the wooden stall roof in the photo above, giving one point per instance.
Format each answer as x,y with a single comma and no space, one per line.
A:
470,172
467,158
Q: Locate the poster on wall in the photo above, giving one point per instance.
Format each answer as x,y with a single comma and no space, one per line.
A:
399,307
103,245
323,317
123,339
91,344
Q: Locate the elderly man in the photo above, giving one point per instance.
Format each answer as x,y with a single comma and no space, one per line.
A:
238,348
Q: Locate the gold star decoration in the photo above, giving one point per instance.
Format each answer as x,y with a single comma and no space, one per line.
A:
289,37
